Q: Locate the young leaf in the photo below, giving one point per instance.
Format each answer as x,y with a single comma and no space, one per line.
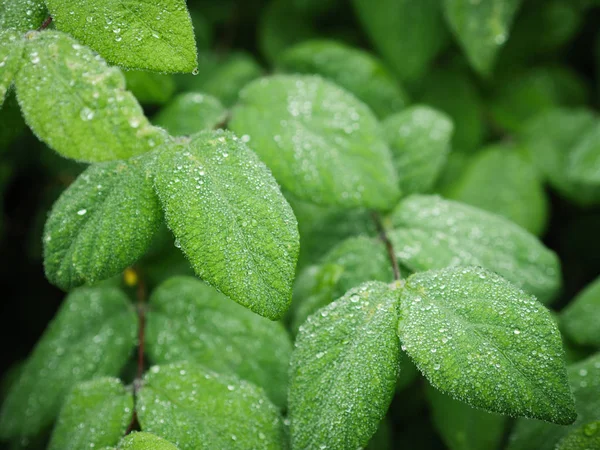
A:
95,414
408,34
481,28
189,320
144,441
230,219
500,180
11,55
141,35
355,70
481,340
199,409
419,138
586,437
92,335
22,15
580,320
101,224
463,427
432,233
344,369
189,113
322,144
85,112
584,159
150,87
584,379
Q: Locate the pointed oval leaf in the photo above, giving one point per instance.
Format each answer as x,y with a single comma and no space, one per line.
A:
101,224
584,378
11,56
155,35
89,116
230,219
92,335
198,409
481,340
355,70
481,28
190,320
22,15
586,437
150,87
95,414
407,34
145,441
322,144
344,369
191,112
580,320
419,138
433,233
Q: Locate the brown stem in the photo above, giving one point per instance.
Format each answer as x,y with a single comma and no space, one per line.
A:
46,23
388,244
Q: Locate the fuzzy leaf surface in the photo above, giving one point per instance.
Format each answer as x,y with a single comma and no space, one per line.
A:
11,55
144,441
22,15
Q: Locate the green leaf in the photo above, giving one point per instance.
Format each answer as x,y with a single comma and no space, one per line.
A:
140,35
500,180
584,379
584,159
580,320
419,138
199,409
407,34
481,340
89,115
344,369
191,112
481,28
95,414
432,233
585,437
191,321
322,144
145,441
551,139
22,15
11,56
355,70
230,219
92,335
150,87
103,223
463,427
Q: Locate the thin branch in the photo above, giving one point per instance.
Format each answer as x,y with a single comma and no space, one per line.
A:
388,244
46,23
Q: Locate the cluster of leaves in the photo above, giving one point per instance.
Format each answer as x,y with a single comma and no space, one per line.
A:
419,220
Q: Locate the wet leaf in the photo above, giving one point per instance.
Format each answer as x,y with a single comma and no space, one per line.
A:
145,441
22,15
191,112
230,219
95,414
432,233
92,335
481,340
89,116
199,409
344,369
586,437
322,144
580,320
154,35
190,320
11,56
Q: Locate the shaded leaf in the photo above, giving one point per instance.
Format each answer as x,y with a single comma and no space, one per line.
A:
11,55
230,219
199,409
92,335
580,320
103,223
419,138
189,320
432,233
189,113
144,441
150,87
344,369
482,341
139,35
89,116
22,15
586,437
95,414
322,144
584,159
